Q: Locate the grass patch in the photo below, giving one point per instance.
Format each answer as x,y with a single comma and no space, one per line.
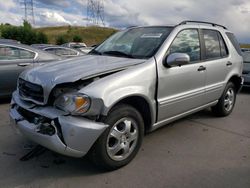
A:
90,35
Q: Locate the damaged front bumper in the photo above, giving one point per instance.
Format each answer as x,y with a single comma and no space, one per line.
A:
53,129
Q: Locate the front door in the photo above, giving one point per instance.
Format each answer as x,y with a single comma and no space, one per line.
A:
181,89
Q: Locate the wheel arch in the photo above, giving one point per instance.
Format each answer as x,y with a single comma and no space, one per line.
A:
236,80
142,105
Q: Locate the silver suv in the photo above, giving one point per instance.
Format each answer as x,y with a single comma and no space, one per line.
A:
136,81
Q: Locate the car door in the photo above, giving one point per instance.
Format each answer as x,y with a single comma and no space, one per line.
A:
217,63
182,88
13,61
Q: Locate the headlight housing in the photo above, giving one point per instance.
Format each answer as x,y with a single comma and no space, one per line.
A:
74,103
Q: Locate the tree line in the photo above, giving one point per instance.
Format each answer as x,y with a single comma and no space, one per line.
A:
24,34
28,35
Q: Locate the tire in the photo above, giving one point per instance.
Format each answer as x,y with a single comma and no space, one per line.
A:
121,141
226,103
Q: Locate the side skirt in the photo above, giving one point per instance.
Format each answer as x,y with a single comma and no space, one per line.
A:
179,116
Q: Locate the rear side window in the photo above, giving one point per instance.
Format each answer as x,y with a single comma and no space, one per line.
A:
212,44
24,54
65,52
51,50
223,47
234,41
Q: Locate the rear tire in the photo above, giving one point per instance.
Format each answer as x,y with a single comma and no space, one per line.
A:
226,103
120,142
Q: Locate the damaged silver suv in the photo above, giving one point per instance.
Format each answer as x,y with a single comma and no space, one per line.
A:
136,81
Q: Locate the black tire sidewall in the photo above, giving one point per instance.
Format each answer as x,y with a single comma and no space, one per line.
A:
120,111
219,109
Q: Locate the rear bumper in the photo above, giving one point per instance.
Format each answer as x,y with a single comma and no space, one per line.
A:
67,135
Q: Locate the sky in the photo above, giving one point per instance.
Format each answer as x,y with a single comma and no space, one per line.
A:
235,14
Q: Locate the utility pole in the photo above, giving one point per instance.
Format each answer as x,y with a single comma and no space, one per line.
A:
95,12
28,7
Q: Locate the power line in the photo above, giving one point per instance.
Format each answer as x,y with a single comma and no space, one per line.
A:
28,7
95,12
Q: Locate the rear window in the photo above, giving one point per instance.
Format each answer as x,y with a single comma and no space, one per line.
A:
234,41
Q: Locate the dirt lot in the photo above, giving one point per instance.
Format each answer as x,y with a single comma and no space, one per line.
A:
197,151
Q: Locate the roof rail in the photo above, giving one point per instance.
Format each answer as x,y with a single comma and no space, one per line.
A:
210,23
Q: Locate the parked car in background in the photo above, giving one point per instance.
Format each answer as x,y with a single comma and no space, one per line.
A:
136,81
39,46
61,51
86,50
79,46
246,68
15,58
9,41
75,45
245,49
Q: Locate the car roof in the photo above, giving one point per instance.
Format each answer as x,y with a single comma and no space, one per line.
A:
9,41
188,24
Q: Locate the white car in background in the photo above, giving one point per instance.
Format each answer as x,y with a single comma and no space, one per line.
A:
79,46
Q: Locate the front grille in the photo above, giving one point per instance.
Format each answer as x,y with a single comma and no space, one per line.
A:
30,91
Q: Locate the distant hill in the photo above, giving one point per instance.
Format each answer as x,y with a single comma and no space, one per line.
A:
245,45
90,35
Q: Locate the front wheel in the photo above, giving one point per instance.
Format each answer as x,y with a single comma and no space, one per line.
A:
120,142
226,103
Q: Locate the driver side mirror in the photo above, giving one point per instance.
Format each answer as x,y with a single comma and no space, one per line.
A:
176,59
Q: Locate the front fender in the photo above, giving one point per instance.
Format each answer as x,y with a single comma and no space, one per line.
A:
139,80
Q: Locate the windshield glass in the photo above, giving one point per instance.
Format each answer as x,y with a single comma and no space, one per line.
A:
246,57
140,42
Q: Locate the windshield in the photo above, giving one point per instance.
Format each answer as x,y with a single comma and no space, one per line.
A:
140,42
246,57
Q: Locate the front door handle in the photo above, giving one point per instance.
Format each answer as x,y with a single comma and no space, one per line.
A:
229,63
24,64
202,68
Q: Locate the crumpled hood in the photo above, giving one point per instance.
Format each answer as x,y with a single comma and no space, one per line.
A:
71,70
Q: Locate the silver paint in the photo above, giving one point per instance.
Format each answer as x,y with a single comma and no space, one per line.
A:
171,93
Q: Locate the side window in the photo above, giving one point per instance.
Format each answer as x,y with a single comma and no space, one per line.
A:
72,52
8,53
223,47
12,53
51,50
187,41
212,44
234,41
62,52
24,54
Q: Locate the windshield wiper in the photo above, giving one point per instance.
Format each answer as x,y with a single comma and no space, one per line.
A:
118,53
94,51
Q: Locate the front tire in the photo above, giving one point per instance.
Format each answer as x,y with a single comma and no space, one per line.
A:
120,142
226,103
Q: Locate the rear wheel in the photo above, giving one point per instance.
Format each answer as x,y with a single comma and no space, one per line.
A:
119,144
225,105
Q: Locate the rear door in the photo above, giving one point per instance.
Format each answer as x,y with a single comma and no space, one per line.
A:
181,89
13,61
217,63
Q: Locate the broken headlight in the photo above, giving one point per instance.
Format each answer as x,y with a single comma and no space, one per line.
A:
74,103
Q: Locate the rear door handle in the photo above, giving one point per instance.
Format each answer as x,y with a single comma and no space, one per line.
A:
229,63
202,68
24,64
